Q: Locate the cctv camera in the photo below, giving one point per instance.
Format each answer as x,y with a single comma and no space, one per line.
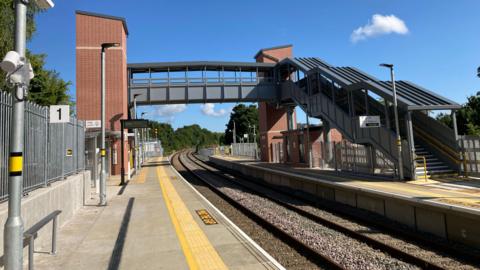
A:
11,62
45,4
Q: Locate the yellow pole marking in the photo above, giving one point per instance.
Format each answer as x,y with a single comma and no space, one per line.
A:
15,164
198,251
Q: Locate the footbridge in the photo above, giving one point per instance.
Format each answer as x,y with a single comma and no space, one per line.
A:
201,82
336,95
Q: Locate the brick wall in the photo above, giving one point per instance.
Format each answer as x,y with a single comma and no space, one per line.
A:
91,32
272,120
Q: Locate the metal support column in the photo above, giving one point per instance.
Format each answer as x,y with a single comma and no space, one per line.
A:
103,152
13,229
457,142
454,122
387,115
411,143
122,155
327,139
309,146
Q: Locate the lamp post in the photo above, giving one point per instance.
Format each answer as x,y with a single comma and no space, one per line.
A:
397,128
142,135
103,151
13,63
135,130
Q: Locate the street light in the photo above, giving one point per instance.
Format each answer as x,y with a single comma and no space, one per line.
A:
103,151
395,111
478,72
142,138
13,228
135,130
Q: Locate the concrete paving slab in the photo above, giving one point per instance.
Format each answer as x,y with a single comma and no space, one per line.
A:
135,231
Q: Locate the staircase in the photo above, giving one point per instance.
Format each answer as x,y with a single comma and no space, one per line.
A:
337,95
434,165
322,106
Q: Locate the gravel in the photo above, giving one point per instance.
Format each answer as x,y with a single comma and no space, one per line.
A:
283,253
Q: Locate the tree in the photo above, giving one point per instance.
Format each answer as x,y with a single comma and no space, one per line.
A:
468,117
47,87
245,118
184,137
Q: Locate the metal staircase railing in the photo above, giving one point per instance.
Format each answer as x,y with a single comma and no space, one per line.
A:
322,106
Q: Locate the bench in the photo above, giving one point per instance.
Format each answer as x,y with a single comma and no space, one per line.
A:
30,235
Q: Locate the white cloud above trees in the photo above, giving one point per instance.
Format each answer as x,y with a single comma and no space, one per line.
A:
380,25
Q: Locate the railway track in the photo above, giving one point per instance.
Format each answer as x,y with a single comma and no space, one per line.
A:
363,248
287,253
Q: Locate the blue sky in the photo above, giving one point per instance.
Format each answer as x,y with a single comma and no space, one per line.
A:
439,49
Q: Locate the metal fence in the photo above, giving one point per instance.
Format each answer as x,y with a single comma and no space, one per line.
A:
361,159
152,148
244,149
52,151
470,148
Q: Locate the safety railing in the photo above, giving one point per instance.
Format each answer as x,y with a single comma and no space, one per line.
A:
198,80
30,235
424,161
245,150
470,149
52,150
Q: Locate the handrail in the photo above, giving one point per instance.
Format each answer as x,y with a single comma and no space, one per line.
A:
30,234
452,155
298,95
200,80
424,166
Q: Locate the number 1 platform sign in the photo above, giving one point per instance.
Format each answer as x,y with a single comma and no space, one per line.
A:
59,114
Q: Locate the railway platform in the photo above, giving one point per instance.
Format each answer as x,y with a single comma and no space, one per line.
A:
454,191
156,221
449,209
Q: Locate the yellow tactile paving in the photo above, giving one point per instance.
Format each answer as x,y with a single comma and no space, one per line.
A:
198,251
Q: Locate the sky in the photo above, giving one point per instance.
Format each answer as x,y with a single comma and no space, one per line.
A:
433,43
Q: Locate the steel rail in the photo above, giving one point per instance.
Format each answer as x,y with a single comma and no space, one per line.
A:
293,242
392,251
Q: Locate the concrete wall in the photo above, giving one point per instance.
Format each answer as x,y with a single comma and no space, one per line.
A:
68,196
455,223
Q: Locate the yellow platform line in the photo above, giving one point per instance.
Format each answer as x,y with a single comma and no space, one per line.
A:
198,251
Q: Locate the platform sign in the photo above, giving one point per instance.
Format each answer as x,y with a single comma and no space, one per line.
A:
93,124
369,121
59,113
135,123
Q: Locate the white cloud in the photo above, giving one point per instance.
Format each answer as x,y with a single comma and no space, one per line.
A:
380,25
170,110
209,110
